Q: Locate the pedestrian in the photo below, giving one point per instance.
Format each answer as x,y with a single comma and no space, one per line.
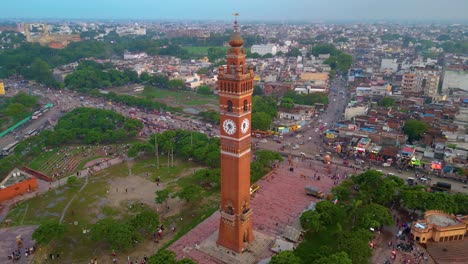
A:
125,189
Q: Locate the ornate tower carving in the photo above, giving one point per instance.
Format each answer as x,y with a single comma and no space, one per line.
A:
235,86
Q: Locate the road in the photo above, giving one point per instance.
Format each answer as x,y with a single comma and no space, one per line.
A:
313,143
66,100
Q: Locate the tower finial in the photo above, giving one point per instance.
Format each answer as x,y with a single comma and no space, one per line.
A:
236,27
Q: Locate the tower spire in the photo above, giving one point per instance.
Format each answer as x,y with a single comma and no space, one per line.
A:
236,26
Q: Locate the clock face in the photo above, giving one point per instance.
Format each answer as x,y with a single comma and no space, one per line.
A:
245,125
229,126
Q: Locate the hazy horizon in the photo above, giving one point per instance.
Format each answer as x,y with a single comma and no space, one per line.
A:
250,10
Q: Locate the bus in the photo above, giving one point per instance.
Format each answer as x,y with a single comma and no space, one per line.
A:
9,149
30,133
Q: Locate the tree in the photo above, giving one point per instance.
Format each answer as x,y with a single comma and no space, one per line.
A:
387,102
163,257
356,245
15,111
46,232
285,257
414,129
266,104
176,84
203,89
162,196
118,234
146,222
373,216
257,90
294,52
261,121
287,103
24,99
310,221
190,193
337,258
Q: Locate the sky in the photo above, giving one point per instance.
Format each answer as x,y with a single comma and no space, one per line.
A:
249,10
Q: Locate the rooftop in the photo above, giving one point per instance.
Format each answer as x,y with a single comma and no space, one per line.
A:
441,220
14,177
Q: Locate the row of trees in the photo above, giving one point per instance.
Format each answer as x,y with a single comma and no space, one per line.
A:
118,234
184,144
264,110
16,108
306,99
90,74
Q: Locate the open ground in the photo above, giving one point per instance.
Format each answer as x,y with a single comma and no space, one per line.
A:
118,192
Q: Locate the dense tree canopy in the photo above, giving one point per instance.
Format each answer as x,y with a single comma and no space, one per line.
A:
285,257
415,129
307,99
94,126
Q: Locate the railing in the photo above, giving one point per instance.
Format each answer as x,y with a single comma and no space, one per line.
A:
227,216
245,216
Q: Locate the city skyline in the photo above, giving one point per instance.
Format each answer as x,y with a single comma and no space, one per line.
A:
259,10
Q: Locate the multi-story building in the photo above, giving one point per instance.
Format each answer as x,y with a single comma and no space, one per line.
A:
264,49
421,81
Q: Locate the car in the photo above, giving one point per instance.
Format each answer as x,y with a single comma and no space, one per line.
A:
295,147
263,141
386,164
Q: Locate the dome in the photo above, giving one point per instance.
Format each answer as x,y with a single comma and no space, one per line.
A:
236,40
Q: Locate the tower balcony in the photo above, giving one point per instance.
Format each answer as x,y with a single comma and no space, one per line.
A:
246,215
227,216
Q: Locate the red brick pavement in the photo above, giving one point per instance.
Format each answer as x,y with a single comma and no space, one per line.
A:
280,200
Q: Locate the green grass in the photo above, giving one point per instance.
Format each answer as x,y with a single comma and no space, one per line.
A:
148,165
44,157
47,207
91,204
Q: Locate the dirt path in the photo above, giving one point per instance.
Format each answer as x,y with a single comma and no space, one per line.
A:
73,198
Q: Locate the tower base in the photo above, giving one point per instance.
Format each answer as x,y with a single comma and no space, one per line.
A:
253,252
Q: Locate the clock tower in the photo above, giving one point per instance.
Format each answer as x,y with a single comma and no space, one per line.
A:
235,87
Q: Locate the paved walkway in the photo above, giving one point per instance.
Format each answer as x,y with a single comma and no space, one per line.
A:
279,201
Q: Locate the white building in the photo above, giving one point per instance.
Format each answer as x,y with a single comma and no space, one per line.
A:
264,49
455,78
389,64
133,56
355,110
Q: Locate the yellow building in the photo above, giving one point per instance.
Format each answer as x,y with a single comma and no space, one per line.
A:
438,226
317,78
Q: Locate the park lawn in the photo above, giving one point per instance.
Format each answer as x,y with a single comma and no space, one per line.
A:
46,207
148,165
36,163
181,97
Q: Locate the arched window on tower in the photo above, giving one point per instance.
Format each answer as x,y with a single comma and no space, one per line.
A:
246,108
229,106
